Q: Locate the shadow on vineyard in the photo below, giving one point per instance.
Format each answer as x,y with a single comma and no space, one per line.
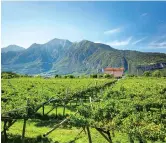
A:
44,123
49,123
47,117
18,139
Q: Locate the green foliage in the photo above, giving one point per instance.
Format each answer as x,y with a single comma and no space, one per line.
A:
156,73
100,75
83,76
144,104
131,75
58,76
108,76
147,73
9,75
93,76
38,90
71,76
133,106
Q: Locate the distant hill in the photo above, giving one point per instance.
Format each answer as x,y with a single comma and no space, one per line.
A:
11,48
60,56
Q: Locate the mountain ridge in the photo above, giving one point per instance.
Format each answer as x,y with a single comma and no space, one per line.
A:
60,56
12,48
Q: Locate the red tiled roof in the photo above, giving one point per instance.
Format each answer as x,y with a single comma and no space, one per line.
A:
113,69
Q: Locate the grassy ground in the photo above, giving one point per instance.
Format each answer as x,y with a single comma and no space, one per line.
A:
36,128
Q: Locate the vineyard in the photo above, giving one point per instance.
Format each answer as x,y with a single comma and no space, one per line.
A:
37,90
83,110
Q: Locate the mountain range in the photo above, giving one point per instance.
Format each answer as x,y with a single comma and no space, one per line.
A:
60,56
11,48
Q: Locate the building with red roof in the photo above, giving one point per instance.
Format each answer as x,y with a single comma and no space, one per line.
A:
116,72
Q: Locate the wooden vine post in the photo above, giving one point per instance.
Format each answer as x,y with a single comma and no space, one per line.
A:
89,135
25,119
64,108
76,100
103,133
10,123
56,110
58,125
87,128
84,99
109,136
5,134
81,102
90,101
23,131
43,109
64,105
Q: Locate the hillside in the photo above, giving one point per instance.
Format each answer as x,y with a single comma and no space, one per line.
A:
11,48
64,57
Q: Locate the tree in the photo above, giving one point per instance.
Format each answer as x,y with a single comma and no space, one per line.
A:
93,75
71,76
108,76
9,75
147,73
100,75
156,73
56,76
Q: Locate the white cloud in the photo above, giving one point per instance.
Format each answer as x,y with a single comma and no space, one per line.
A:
138,41
158,44
144,14
98,42
112,31
120,43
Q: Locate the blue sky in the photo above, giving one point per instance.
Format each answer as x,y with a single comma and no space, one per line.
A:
122,25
